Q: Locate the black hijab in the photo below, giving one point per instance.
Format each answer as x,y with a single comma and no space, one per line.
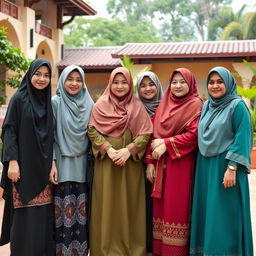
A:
30,115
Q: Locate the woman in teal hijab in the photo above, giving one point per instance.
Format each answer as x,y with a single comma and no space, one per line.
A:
221,221
72,107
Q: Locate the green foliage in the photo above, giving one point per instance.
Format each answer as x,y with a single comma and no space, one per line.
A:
250,94
241,28
103,32
128,63
11,58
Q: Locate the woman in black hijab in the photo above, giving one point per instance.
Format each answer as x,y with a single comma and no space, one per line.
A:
27,135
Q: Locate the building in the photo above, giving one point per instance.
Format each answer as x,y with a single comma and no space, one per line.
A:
162,58
36,26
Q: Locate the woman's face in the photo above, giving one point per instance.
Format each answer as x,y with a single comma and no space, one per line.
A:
119,86
216,86
41,78
147,88
179,86
74,83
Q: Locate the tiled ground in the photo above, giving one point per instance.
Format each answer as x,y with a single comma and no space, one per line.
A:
4,250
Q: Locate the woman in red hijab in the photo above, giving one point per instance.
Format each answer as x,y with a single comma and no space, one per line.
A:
119,130
171,163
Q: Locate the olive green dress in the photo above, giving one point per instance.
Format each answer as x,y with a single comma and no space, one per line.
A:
118,218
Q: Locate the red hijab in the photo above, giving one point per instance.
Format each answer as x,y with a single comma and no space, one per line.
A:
111,115
172,116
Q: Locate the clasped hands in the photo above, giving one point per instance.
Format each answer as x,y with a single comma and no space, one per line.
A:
158,148
119,157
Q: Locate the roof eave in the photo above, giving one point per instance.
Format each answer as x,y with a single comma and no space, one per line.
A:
168,56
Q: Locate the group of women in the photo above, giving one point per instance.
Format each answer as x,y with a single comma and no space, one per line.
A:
129,175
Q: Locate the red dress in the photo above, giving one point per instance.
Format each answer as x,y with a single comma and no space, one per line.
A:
171,212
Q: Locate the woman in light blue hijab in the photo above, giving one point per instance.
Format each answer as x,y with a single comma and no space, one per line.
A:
221,221
72,107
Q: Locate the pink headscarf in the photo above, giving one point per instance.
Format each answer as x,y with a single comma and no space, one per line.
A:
111,115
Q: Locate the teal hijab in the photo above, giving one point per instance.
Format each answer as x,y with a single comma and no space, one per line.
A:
215,132
72,113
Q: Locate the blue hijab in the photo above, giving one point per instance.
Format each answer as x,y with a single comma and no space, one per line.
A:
215,132
72,115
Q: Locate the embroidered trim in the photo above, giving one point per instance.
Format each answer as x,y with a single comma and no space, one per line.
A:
171,234
189,121
133,149
103,147
239,159
45,197
174,147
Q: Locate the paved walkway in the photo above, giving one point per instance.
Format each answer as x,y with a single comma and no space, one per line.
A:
5,251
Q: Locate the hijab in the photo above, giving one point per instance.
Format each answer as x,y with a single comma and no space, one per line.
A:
30,114
215,132
112,115
152,104
72,115
172,116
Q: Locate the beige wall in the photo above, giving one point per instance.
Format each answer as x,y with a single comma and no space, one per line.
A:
44,47
97,82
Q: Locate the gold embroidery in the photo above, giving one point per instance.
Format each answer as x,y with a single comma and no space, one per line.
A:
171,234
188,122
45,197
174,147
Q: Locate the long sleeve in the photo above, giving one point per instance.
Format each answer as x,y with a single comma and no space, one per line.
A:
99,144
148,158
10,147
240,149
138,147
182,144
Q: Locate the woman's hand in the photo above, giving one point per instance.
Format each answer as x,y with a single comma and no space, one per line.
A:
111,153
156,143
14,170
229,179
159,151
53,174
121,156
151,172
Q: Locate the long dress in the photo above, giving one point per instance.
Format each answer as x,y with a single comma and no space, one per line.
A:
27,135
118,223
171,213
221,223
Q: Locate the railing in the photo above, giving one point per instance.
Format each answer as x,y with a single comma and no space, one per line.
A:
43,30
9,8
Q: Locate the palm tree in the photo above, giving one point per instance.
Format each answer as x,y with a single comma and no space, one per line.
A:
242,28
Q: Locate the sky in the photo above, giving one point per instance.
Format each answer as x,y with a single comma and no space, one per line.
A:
101,6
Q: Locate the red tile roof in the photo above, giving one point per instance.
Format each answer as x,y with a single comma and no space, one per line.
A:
90,58
239,48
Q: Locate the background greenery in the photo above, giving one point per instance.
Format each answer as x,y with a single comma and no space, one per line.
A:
163,21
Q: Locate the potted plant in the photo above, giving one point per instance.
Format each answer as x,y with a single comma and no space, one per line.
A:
251,94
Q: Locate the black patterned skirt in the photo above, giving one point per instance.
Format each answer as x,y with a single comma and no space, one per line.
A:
71,233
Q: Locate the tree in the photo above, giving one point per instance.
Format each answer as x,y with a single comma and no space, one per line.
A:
104,32
132,11
173,17
13,59
205,12
241,28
